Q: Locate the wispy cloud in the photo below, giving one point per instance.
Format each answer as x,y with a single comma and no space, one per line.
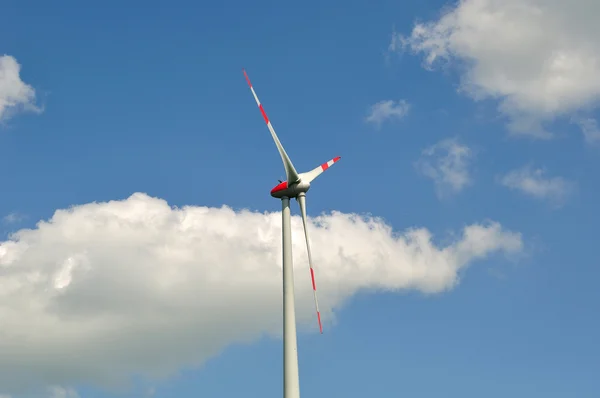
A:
535,183
15,95
447,164
589,128
13,217
62,392
387,110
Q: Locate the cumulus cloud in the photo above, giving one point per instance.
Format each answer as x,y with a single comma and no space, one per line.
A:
102,291
387,110
535,183
15,95
539,58
447,164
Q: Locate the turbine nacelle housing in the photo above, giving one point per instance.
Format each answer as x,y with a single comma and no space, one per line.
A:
282,189
285,189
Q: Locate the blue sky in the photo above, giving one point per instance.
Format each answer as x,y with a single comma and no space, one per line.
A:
483,114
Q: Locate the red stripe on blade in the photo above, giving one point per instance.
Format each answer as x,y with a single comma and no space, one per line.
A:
247,78
263,113
312,276
319,318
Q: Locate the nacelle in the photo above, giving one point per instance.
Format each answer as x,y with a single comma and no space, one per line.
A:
282,190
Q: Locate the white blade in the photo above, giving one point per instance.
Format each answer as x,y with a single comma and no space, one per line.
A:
302,202
290,171
314,173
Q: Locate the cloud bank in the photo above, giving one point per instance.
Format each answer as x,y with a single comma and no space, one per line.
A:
102,291
15,95
539,58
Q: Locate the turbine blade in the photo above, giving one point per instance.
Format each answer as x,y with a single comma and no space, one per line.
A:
290,171
314,173
302,202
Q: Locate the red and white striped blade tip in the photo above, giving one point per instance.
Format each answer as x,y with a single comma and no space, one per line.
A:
330,163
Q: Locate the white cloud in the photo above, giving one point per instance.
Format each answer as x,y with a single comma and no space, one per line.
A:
589,128
539,58
387,110
534,183
105,290
447,164
15,95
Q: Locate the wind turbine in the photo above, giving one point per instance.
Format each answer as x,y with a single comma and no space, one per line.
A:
296,186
